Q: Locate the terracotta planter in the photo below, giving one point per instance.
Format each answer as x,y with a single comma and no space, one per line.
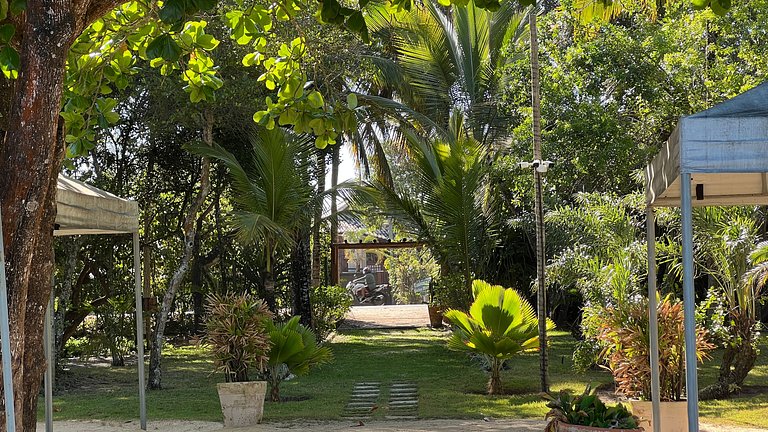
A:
674,415
242,403
565,427
435,316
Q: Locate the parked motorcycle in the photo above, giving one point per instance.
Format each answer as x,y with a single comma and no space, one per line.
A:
380,295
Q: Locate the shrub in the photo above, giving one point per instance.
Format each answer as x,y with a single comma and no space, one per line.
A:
330,304
626,348
293,349
586,410
237,334
500,325
450,292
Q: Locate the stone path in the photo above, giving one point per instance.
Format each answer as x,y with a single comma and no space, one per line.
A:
365,399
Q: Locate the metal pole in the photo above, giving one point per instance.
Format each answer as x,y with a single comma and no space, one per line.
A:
653,320
5,342
689,298
139,331
47,340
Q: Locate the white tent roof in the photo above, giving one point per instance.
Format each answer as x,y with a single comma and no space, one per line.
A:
725,148
84,209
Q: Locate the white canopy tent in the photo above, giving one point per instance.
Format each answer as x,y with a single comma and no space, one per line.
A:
715,157
81,209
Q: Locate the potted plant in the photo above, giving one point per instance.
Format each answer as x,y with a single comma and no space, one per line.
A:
625,336
586,413
236,332
293,350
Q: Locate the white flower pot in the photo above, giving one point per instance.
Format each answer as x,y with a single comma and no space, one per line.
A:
242,403
674,415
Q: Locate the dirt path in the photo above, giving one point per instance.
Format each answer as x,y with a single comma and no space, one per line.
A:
395,316
505,425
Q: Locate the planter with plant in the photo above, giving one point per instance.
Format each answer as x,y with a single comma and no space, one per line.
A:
624,335
293,350
500,324
586,413
236,332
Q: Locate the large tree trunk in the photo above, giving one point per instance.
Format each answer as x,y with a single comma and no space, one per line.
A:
190,231
316,249
541,288
738,359
300,278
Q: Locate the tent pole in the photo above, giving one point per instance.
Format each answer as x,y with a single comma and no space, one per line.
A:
49,360
653,318
139,330
5,342
689,298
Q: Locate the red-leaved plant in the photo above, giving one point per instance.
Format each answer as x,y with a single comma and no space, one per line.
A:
625,336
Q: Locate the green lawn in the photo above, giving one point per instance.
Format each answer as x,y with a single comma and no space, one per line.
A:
450,386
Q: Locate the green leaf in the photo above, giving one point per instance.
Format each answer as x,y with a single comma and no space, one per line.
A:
356,22
315,99
18,6
351,101
9,62
3,9
700,4
164,47
172,11
330,11
6,32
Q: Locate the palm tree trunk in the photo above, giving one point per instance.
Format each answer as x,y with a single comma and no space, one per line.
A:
494,383
320,174
190,231
334,207
541,292
301,279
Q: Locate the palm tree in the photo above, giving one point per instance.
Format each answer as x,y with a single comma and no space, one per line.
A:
273,199
443,62
446,205
738,266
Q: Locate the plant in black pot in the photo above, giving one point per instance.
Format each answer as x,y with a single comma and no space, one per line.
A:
236,332
586,413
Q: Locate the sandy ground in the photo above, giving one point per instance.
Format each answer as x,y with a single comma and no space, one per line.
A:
491,425
394,316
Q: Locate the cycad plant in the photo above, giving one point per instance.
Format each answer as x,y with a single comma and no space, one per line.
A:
500,324
293,350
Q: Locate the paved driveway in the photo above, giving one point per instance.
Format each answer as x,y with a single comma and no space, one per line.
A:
394,316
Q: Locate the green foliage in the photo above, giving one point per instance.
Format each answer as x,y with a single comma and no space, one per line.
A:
406,268
330,304
586,410
625,342
450,292
237,331
500,324
293,349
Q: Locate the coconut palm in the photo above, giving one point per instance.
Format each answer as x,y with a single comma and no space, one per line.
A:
273,199
440,62
500,324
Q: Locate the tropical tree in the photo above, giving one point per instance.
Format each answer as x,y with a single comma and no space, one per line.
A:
445,205
500,324
272,196
737,266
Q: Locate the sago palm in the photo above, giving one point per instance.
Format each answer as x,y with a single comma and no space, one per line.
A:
500,325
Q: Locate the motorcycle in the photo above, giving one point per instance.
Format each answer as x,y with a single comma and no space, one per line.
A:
380,295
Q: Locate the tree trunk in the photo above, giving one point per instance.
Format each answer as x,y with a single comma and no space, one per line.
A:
334,207
190,231
71,248
316,248
541,288
738,359
30,159
300,278
494,383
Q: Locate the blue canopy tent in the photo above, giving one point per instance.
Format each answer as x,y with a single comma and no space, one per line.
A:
716,157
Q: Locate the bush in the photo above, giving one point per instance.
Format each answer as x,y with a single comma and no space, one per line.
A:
586,410
450,292
330,305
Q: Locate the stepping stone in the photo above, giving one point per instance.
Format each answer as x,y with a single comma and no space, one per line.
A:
403,401
362,401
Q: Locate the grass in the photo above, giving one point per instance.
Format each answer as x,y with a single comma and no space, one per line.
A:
450,386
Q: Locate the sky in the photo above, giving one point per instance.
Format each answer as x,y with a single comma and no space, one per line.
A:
346,168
